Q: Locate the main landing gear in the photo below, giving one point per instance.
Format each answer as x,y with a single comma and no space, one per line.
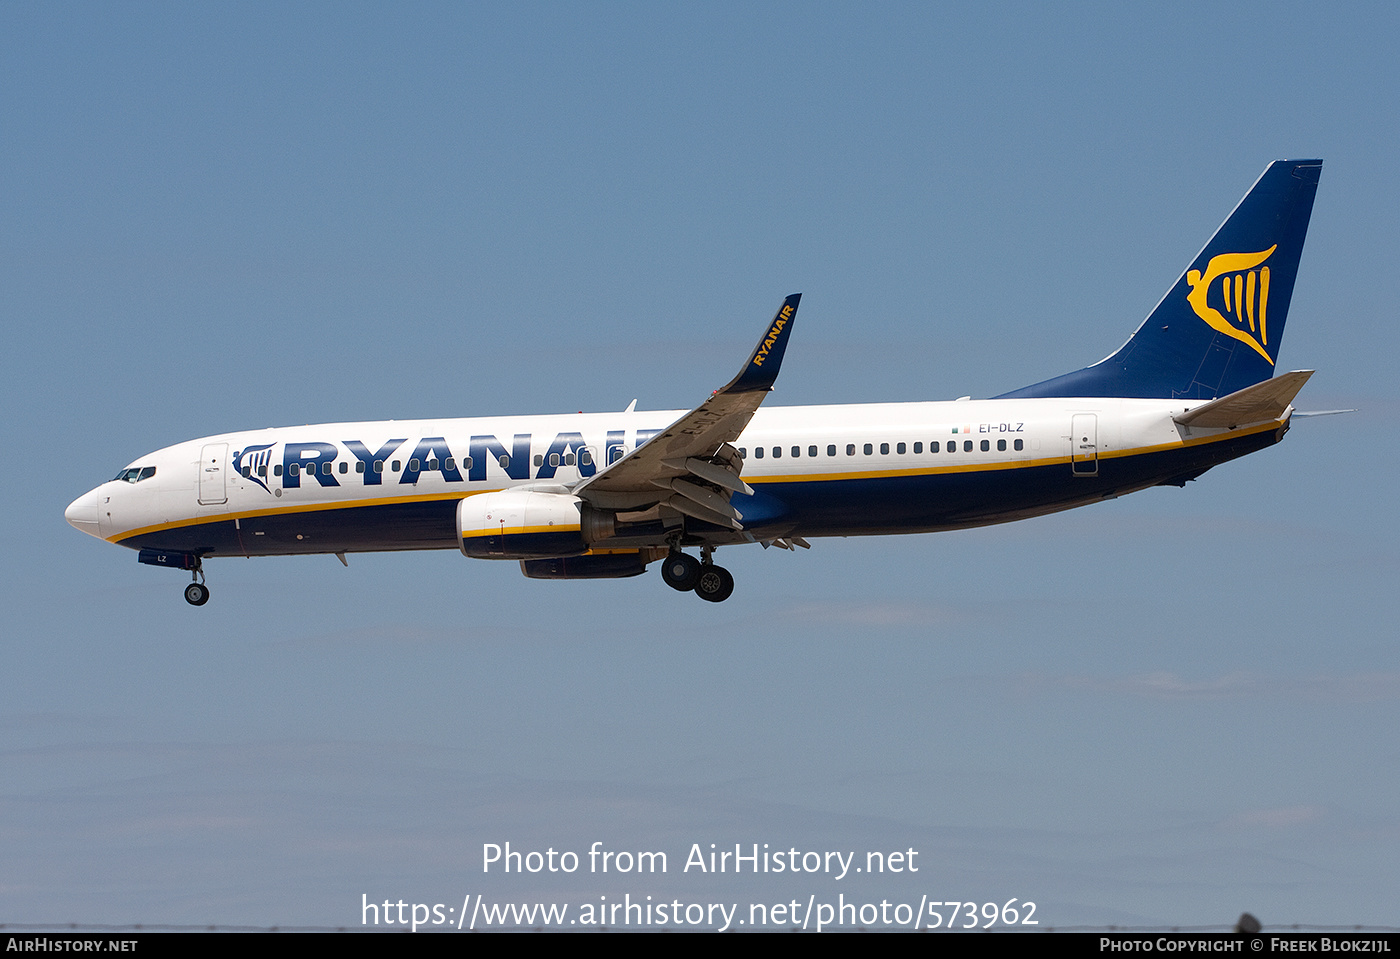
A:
685,573
197,594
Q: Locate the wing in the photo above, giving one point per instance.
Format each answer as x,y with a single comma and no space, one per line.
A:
691,465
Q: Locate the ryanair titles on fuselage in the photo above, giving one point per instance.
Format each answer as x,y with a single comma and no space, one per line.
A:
404,462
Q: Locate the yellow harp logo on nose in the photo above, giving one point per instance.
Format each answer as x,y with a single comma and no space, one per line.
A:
1243,293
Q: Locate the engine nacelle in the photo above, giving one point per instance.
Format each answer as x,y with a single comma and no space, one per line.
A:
595,566
529,524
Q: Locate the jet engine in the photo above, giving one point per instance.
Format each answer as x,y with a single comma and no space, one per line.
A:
529,524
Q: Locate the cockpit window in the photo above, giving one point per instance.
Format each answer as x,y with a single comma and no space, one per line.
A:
135,475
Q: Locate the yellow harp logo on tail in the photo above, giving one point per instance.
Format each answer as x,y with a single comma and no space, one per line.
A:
1243,293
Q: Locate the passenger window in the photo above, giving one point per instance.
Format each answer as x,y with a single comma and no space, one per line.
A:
796,452
553,459
1019,445
831,450
467,463
379,466
433,464
967,446
918,447
777,452
743,452
395,466
448,464
900,448
1001,445
758,452
247,471
294,470
539,459
413,465
344,467
262,470
568,459
869,449
585,458
850,449
504,461
359,466
986,445
811,451
884,449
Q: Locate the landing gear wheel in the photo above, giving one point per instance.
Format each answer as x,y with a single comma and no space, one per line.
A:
196,594
715,584
681,571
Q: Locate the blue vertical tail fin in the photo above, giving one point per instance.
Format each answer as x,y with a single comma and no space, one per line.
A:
1219,327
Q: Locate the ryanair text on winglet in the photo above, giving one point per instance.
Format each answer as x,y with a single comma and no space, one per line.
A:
783,316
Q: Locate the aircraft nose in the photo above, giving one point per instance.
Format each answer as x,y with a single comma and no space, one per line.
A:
82,513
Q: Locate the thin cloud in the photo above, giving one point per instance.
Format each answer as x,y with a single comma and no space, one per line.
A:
1281,818
881,614
1354,688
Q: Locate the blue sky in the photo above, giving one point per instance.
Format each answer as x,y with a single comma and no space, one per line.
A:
1165,709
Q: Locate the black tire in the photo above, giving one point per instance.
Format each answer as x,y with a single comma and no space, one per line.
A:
196,594
681,571
715,584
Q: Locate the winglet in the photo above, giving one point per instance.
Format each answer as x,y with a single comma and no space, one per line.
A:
761,370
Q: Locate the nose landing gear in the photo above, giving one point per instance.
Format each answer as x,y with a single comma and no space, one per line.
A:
196,593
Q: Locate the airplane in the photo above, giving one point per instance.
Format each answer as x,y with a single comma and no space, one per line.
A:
604,495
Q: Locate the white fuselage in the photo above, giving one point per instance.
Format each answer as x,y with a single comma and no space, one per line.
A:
907,467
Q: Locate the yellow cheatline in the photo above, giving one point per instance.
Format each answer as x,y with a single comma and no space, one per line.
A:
515,531
297,508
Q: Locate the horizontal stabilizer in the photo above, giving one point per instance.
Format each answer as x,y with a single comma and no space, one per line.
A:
1253,404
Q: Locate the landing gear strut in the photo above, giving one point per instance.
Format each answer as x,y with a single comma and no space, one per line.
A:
685,573
197,594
